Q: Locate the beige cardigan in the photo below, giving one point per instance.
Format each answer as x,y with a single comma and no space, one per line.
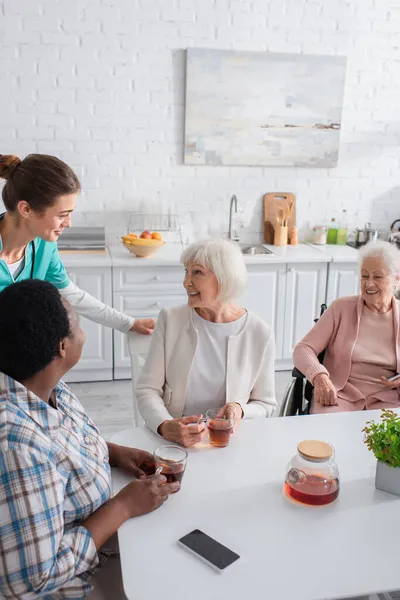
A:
161,389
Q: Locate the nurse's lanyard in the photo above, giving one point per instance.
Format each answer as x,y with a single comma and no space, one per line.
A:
33,251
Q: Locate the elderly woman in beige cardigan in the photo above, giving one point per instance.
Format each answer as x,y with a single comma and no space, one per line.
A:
362,340
210,353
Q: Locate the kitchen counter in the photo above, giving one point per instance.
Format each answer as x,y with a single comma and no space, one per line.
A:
85,258
169,256
301,253
342,254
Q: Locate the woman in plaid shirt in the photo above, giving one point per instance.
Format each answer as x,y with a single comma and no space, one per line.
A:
56,512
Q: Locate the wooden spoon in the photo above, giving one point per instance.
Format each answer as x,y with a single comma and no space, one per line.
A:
281,216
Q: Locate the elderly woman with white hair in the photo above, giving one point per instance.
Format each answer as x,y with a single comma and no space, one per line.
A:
362,340
208,353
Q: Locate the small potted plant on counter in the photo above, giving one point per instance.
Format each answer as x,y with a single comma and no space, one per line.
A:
383,438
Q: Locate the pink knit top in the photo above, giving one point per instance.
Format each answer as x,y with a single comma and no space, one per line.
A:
361,347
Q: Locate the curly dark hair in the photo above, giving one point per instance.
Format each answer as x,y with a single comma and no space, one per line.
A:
33,322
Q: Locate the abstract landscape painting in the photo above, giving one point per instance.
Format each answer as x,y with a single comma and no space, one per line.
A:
260,108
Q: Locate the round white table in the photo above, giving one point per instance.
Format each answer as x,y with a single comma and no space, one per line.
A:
287,551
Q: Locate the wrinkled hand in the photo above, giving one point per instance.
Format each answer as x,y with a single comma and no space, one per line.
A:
232,409
145,495
186,431
391,384
138,462
324,390
143,326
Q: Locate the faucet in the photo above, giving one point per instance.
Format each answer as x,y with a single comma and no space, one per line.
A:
232,235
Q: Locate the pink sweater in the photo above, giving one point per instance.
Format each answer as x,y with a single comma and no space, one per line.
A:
337,331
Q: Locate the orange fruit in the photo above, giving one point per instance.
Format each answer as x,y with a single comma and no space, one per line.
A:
156,236
132,235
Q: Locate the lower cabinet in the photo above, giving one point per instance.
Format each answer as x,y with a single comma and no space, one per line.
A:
288,297
265,297
143,302
343,280
96,363
305,292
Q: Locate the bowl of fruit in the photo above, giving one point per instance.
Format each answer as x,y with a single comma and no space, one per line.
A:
144,245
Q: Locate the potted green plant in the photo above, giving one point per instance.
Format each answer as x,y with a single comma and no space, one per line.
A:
383,438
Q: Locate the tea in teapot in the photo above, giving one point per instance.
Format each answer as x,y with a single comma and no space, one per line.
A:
312,475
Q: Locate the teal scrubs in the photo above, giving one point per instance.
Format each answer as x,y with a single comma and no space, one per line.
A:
47,266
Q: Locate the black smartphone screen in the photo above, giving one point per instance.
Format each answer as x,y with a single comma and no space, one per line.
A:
211,550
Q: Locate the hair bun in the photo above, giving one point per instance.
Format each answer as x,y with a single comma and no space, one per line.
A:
8,162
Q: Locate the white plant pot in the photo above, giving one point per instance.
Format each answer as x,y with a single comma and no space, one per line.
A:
387,478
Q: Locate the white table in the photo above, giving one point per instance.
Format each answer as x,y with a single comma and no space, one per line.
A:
288,551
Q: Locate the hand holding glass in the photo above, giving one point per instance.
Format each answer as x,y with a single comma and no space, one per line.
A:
172,462
220,427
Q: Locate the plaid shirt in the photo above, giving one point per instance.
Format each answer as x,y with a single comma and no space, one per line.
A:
54,473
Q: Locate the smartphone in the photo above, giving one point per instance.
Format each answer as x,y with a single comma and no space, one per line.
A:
209,550
394,377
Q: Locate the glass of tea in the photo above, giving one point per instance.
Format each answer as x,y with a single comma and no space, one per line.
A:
172,461
312,476
220,427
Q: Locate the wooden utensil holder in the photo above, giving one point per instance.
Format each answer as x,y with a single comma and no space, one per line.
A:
281,235
273,201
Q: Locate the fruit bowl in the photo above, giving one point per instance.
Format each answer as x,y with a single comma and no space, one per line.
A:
142,247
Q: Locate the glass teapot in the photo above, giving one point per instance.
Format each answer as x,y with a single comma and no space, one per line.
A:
312,476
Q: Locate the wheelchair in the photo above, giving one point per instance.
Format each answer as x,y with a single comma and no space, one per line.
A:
298,394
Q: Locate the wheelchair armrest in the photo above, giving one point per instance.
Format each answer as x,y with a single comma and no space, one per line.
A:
297,374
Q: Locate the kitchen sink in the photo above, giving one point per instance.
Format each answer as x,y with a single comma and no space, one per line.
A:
254,249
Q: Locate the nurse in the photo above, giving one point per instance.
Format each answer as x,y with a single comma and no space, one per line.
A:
39,196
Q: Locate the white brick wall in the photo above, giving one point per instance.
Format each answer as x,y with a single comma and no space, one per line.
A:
100,83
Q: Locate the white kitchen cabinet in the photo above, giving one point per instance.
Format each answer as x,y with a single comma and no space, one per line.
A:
286,296
343,280
142,292
96,363
305,292
265,297
286,291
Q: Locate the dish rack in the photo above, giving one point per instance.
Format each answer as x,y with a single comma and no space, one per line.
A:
169,225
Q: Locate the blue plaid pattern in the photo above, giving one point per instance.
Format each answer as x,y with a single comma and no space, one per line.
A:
54,473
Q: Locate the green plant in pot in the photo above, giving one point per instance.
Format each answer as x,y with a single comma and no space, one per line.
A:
383,439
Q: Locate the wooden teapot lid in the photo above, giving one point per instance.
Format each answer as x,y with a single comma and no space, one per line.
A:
315,450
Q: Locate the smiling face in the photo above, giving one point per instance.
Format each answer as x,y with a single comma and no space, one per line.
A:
201,285
49,224
376,283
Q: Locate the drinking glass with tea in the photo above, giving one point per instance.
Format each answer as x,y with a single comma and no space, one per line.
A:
312,475
172,462
220,427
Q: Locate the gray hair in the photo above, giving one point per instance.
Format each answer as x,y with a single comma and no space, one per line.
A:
387,252
225,260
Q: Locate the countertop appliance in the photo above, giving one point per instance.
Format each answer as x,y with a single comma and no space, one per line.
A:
83,239
363,236
355,244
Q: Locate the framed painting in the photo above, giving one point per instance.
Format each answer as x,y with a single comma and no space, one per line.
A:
264,109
